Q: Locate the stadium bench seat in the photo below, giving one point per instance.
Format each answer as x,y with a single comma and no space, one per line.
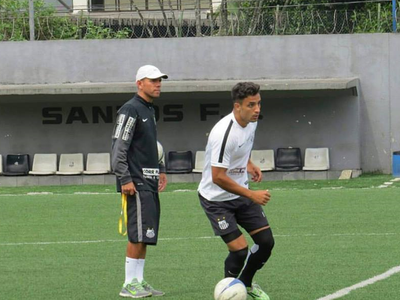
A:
264,159
44,164
288,159
16,165
70,164
179,162
316,159
97,163
199,162
1,165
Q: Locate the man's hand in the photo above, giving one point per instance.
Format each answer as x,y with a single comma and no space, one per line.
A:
254,171
162,182
260,197
128,189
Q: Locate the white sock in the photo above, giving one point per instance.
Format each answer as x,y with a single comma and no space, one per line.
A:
140,269
130,269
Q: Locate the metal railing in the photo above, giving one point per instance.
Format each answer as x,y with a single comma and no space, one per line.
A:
218,19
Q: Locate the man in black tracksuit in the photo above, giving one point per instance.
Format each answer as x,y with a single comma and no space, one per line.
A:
139,176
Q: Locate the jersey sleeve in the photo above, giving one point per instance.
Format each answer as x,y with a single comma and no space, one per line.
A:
121,140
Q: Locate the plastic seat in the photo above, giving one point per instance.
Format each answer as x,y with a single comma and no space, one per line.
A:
70,164
264,159
16,165
316,159
97,163
179,162
199,162
44,164
288,159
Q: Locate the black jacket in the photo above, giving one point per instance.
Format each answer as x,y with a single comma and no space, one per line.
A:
134,154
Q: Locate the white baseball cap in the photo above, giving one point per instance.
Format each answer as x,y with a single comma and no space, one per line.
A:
149,71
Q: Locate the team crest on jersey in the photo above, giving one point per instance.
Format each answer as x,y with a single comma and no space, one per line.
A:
150,233
223,224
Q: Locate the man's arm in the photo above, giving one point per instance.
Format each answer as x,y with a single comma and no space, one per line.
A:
122,138
226,183
162,180
254,171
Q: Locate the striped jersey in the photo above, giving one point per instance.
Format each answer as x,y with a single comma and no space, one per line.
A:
229,146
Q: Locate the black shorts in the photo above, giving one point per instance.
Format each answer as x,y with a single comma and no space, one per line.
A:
143,217
226,215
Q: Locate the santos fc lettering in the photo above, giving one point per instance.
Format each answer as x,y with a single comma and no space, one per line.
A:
97,114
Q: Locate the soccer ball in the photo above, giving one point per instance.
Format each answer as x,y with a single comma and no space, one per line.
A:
230,288
161,158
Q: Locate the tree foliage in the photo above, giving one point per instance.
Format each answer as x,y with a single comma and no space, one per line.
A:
232,17
262,17
14,24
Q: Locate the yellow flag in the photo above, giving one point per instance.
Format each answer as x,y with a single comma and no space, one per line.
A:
123,218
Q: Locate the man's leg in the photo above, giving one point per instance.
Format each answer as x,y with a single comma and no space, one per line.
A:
149,205
133,288
238,250
134,265
259,254
222,219
135,252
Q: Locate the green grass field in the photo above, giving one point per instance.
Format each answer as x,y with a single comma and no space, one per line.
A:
329,235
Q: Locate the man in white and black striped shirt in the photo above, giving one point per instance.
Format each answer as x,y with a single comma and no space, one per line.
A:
224,193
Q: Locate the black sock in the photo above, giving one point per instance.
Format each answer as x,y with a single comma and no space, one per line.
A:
235,262
259,254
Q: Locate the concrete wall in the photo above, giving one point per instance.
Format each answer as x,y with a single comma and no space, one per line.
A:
394,94
371,57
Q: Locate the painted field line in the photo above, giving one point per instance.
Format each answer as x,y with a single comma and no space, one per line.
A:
338,234
60,242
193,238
362,284
34,194
101,241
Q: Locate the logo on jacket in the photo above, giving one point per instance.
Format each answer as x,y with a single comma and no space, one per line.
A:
150,233
128,128
151,173
120,123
